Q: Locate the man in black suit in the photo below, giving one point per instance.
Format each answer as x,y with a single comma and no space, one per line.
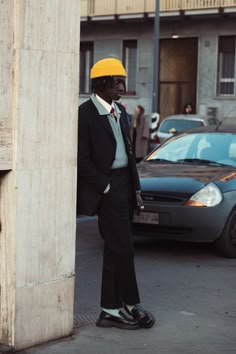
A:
108,185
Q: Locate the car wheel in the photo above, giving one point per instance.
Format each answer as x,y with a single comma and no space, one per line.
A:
226,244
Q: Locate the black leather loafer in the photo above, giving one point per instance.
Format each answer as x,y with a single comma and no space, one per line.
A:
143,317
123,322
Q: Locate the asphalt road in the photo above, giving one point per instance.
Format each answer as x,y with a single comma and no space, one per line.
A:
189,288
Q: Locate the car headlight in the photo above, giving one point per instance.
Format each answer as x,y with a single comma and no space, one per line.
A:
208,196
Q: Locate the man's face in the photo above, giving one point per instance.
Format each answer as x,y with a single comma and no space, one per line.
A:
116,91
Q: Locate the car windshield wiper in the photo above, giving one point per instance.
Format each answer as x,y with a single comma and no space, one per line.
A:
200,161
161,160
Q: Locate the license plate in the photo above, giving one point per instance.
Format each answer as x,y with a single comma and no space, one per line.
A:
146,218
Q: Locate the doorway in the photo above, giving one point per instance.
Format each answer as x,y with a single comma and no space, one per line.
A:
178,74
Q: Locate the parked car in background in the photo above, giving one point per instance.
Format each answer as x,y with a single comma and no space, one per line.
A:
176,123
188,187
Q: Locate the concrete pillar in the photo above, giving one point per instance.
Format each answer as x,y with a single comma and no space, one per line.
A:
39,84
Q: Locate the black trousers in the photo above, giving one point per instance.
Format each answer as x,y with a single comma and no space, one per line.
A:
119,283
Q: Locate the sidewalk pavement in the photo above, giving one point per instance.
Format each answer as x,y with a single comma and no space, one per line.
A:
189,289
87,337
90,339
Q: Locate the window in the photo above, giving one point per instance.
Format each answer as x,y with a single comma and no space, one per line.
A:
86,62
226,66
179,124
130,64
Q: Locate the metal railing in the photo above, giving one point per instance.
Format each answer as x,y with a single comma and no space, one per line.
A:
120,7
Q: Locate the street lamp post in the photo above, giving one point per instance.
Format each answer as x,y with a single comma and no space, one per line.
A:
155,107
155,117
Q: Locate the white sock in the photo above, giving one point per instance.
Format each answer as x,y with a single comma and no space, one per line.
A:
130,307
113,312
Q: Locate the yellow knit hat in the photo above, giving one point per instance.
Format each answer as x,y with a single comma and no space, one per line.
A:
107,67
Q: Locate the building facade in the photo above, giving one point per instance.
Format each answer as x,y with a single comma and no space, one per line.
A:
197,52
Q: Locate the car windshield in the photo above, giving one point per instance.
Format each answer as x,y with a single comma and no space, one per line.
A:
197,148
179,125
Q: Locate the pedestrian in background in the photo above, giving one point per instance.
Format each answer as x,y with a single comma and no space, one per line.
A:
140,133
188,108
127,114
108,185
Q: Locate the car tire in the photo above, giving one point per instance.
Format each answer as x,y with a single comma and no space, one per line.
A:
226,244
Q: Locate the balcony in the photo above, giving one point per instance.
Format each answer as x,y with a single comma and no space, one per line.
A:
128,9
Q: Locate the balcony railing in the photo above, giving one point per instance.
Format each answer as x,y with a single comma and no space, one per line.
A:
91,8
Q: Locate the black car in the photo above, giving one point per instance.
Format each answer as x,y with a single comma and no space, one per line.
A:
189,188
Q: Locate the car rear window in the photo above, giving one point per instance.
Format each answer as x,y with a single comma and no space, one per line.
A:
179,124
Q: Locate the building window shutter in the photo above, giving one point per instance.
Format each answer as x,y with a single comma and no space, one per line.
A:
86,62
226,66
130,64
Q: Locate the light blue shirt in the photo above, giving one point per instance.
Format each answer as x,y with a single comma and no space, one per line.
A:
103,107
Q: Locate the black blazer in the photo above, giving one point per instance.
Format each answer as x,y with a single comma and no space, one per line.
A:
96,153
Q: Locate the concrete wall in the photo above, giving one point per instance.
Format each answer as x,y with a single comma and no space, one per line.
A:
109,36
38,195
208,61
6,82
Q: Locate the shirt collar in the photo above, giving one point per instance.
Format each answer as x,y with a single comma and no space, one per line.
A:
103,107
105,104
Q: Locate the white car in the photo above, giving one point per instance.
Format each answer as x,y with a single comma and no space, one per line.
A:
176,123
